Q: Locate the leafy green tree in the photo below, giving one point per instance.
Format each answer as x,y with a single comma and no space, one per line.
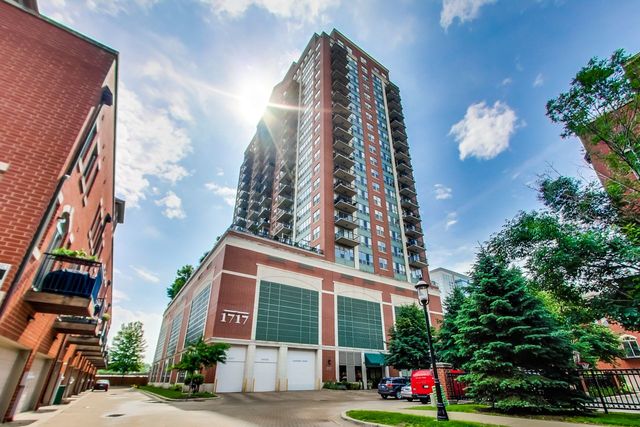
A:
519,359
127,352
577,250
198,356
182,276
446,345
408,348
602,107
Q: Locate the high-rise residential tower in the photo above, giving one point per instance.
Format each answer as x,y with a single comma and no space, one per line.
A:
329,167
326,240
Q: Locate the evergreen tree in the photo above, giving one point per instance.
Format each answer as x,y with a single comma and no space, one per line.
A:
408,348
126,354
446,345
519,360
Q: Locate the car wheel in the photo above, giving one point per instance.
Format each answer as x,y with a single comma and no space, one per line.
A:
424,401
409,399
384,396
398,395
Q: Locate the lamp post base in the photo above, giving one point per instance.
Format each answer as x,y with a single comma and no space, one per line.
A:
442,413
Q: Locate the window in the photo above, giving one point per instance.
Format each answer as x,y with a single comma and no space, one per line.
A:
316,233
316,215
376,187
316,183
630,346
316,200
382,247
377,201
359,324
378,215
175,333
382,263
380,230
197,316
375,173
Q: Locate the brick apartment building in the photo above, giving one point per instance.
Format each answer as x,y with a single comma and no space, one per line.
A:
57,150
326,239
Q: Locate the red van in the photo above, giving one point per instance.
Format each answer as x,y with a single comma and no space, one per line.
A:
422,385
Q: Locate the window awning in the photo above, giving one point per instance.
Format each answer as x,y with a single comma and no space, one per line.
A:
374,359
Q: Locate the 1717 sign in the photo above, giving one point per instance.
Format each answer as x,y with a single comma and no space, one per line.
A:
234,316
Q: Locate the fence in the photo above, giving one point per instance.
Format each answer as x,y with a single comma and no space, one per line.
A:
612,388
607,388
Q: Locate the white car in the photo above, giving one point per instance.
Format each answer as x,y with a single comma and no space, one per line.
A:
406,393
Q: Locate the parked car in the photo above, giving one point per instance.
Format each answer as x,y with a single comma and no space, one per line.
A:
407,393
422,385
392,386
101,385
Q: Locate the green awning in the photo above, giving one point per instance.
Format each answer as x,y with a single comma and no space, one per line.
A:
374,359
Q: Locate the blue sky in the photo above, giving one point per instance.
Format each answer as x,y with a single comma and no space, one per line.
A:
474,77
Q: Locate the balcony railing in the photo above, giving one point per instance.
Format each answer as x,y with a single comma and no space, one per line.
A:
66,285
345,204
344,174
346,221
344,188
285,241
418,261
347,238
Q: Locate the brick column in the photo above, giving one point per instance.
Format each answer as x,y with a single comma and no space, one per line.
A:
443,369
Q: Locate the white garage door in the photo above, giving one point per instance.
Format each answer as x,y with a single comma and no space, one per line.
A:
8,359
32,385
301,369
264,369
230,375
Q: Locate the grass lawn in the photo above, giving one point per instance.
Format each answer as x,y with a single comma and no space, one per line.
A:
173,394
396,419
611,419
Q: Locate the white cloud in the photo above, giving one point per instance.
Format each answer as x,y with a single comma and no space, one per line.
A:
150,145
539,80
145,274
464,10
295,10
172,206
484,131
443,192
452,219
114,7
151,323
119,296
219,172
227,193
507,81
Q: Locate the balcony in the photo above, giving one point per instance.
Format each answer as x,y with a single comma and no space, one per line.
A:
344,188
346,221
66,286
339,76
414,246
413,232
243,203
347,238
283,230
346,162
340,98
393,104
393,95
344,174
405,178
342,134
283,202
401,145
86,341
265,213
410,217
416,261
242,222
284,188
253,215
76,325
265,201
345,148
263,225
254,203
398,135
408,203
408,191
396,114
283,215
340,119
397,125
402,156
337,86
403,166
345,204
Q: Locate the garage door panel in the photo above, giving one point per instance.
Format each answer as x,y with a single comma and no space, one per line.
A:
265,369
32,385
8,359
230,375
301,369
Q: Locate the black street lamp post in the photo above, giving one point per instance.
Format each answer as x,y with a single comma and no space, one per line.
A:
423,296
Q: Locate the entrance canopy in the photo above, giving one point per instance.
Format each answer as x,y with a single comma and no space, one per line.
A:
374,359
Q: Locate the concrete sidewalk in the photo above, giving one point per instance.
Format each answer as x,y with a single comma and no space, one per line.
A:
489,419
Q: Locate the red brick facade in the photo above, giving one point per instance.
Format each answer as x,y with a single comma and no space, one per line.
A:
235,268
57,140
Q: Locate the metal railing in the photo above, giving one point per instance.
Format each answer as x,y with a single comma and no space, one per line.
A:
611,388
456,390
70,276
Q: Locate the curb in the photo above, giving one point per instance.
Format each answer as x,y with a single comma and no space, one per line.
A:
345,417
168,399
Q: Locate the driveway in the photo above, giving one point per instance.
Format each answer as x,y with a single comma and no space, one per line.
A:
127,407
